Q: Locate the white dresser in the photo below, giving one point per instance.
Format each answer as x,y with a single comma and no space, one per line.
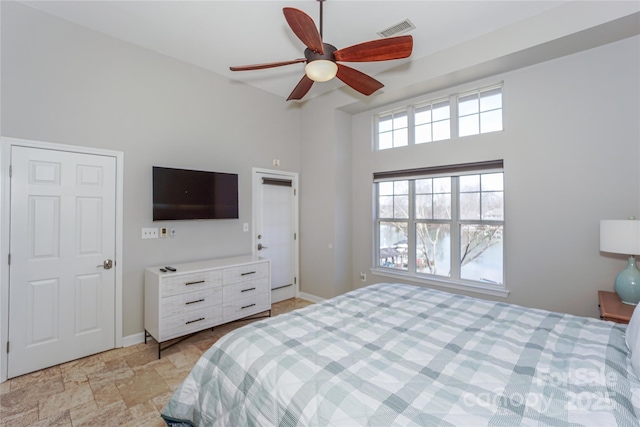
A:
203,294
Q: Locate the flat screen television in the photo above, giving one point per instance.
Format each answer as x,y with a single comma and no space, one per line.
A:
180,194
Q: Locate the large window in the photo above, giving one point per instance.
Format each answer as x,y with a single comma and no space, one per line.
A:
444,223
461,115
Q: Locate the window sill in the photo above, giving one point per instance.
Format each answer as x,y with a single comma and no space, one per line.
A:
450,284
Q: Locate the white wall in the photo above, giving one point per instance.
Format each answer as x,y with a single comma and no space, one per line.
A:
65,84
571,150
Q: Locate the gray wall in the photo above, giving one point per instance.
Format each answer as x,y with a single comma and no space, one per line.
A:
62,83
571,152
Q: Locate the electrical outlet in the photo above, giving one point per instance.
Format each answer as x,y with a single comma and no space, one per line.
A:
163,232
150,233
363,277
276,162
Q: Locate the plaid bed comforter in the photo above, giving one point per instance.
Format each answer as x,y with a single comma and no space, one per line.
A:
399,355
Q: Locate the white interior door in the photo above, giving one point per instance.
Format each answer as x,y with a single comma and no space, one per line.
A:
275,233
62,243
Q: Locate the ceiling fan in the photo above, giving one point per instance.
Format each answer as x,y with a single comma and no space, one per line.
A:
322,58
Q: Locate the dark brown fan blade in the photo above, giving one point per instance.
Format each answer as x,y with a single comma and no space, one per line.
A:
267,65
377,50
361,82
303,26
301,88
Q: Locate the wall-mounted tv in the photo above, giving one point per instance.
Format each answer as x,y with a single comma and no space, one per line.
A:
180,194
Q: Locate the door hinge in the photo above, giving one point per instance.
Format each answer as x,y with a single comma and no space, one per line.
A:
9,259
7,346
295,236
294,192
10,171
295,280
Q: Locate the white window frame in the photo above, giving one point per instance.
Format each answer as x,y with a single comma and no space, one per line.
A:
454,117
411,274
406,111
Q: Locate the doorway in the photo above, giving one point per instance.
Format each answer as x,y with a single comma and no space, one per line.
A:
275,228
61,229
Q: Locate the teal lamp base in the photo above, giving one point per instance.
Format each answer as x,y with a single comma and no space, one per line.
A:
627,283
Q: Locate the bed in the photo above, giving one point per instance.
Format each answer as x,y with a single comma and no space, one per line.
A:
401,355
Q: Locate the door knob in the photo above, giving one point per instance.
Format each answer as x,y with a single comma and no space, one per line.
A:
108,264
261,247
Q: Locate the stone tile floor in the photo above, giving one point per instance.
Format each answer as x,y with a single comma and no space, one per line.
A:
121,387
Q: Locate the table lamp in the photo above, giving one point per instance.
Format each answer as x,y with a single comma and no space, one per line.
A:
623,237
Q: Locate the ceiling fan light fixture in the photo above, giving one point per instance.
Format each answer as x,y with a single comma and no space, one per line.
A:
321,70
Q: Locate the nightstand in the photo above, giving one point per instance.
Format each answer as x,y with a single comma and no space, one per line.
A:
612,309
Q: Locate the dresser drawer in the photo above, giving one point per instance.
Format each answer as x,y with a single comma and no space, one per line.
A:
244,289
246,272
191,321
189,301
246,306
190,282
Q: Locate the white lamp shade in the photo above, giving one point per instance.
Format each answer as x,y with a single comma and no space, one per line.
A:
321,70
620,236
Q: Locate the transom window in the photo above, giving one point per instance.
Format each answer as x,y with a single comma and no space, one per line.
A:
480,112
432,122
393,130
468,114
444,223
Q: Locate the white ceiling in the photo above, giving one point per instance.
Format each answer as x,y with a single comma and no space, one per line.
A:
217,34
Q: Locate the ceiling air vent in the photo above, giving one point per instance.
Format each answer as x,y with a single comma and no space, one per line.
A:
399,28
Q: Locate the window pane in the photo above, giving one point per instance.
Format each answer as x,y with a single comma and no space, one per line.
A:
492,181
491,121
441,130
468,125
401,206
433,249
385,124
468,105
401,187
400,120
491,99
423,186
385,207
400,137
469,206
423,115
493,205
441,111
423,134
385,140
470,183
442,185
424,206
385,188
481,250
393,245
442,206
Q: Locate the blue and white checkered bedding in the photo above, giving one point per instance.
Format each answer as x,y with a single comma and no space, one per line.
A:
399,355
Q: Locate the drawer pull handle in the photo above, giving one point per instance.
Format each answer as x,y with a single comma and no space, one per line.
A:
193,321
246,274
247,290
247,306
194,283
193,302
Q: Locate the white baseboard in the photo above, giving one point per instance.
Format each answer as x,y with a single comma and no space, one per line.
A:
133,339
310,297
